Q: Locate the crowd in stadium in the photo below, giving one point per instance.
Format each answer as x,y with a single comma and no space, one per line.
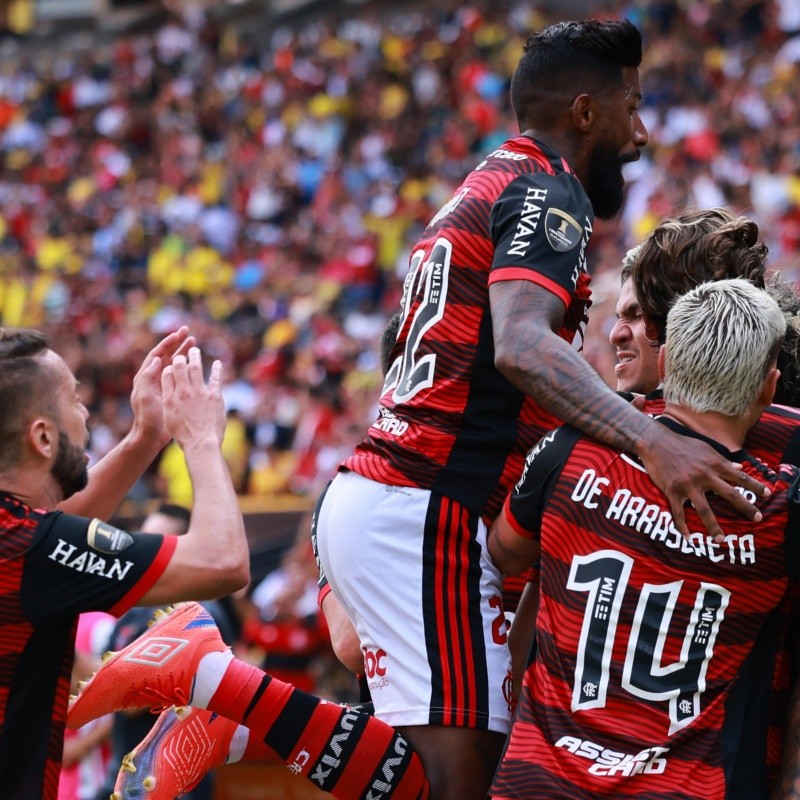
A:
264,189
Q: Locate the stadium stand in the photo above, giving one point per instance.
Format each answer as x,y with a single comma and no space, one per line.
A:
261,179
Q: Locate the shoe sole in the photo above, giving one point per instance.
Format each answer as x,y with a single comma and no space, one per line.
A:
177,747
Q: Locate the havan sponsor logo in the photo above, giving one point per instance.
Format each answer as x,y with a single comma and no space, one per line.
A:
528,220
68,555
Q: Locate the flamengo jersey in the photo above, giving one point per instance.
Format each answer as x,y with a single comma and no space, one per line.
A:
641,635
52,567
448,420
774,439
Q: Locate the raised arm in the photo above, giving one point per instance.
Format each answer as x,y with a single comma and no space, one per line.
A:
212,558
530,353
114,475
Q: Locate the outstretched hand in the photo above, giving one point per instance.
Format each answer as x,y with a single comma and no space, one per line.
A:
146,397
685,469
194,411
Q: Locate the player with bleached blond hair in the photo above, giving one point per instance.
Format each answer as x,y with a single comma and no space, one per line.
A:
642,635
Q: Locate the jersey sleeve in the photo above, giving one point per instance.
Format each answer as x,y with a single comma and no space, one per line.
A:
80,564
525,504
540,226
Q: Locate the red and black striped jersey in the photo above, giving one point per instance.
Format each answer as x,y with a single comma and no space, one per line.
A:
448,420
642,635
52,567
774,439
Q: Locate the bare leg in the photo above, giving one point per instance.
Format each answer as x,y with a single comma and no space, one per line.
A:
459,762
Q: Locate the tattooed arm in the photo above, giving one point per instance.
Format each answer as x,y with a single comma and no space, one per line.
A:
529,352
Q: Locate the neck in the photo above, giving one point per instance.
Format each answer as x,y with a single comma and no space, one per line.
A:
557,142
729,431
36,491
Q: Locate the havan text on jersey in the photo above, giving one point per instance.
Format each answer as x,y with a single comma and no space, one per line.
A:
86,561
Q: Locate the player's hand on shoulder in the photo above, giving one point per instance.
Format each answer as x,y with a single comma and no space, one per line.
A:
194,411
685,469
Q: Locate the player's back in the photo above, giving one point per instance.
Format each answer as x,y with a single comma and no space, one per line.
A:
448,419
641,637
774,439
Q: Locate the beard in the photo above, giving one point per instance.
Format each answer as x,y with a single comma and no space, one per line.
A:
69,468
605,182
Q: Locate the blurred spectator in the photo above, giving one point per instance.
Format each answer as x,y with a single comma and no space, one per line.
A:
286,631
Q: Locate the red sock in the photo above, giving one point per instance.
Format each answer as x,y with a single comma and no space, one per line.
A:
343,751
256,750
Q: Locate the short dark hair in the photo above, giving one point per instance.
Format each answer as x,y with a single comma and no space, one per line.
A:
574,55
26,388
693,248
17,342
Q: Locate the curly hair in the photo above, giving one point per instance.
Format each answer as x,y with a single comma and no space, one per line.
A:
690,249
787,296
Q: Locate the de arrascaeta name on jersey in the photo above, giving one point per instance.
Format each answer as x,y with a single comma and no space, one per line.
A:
654,521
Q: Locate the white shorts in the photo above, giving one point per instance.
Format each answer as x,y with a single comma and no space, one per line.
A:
412,570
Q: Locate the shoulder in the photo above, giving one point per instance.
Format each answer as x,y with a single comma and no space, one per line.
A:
547,455
775,437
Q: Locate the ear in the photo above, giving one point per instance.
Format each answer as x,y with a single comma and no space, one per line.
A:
42,438
770,387
650,329
662,357
583,112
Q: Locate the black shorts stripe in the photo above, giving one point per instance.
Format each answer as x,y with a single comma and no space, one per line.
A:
453,620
